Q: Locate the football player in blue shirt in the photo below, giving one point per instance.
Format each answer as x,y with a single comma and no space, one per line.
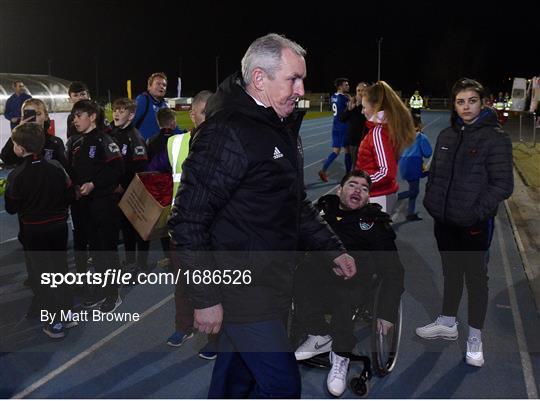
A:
339,102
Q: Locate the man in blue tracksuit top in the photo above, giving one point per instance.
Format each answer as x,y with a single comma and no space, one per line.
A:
12,111
149,103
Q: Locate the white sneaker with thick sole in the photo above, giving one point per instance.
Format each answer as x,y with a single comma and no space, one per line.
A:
336,382
475,354
314,345
437,330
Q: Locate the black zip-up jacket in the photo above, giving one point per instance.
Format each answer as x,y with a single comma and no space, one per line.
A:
370,239
471,172
133,150
242,196
53,149
95,157
38,190
357,129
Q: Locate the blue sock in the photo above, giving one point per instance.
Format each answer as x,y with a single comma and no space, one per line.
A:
348,162
331,157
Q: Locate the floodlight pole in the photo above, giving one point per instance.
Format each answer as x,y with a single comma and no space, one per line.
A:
217,72
97,76
379,62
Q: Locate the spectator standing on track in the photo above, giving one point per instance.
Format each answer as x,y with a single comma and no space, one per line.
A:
356,121
35,110
367,234
416,103
338,103
178,148
149,103
159,161
411,167
135,156
12,110
470,175
77,91
38,190
157,144
391,130
95,166
242,194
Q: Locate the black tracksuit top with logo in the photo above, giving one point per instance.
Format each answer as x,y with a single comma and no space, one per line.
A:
95,157
38,191
133,150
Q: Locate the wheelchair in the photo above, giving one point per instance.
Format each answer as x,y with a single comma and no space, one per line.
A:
383,352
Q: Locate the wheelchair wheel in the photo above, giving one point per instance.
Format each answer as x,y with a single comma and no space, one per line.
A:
359,386
385,348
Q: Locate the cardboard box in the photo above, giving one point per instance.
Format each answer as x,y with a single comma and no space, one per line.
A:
146,214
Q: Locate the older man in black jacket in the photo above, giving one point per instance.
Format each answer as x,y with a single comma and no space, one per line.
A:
242,198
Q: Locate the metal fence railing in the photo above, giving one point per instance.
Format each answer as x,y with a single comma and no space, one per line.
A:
528,125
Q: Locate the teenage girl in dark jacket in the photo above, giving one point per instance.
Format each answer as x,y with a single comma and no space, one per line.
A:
471,173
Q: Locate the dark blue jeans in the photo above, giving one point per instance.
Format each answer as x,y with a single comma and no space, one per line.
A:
412,194
255,361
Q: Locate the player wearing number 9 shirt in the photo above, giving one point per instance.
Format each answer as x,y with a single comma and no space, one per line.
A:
338,102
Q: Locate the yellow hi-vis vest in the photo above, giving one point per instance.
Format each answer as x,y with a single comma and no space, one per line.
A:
178,149
416,102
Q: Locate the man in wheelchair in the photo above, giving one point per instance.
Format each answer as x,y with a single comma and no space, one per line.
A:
367,234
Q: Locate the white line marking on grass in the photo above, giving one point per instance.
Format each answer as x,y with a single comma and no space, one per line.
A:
528,375
77,358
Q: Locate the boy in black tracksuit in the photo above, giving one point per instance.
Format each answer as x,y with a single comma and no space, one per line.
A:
133,149
38,191
366,233
95,166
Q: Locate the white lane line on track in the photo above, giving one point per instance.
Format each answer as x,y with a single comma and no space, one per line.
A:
8,240
317,144
528,375
312,164
326,193
312,136
45,379
433,122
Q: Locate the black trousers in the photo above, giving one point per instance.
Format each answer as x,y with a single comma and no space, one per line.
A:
318,291
96,220
80,234
464,255
46,248
135,247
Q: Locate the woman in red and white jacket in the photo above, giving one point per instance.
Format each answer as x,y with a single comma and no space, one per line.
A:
391,130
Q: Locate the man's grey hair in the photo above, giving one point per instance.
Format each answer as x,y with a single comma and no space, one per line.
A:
202,97
265,53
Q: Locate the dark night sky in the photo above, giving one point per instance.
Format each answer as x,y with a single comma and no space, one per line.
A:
425,46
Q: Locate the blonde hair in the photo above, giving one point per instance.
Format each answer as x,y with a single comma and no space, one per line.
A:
37,103
400,123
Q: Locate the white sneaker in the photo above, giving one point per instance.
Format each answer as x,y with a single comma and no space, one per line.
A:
336,382
314,345
475,355
438,330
